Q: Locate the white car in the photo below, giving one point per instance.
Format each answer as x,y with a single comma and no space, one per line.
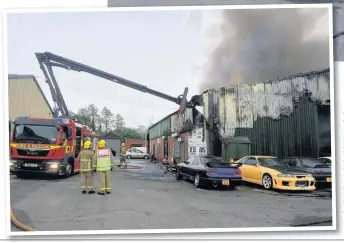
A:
137,153
326,160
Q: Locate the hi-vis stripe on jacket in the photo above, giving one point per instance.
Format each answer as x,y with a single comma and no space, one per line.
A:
103,159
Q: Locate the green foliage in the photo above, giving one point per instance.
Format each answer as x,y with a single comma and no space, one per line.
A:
105,121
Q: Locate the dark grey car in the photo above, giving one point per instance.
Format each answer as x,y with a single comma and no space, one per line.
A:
319,170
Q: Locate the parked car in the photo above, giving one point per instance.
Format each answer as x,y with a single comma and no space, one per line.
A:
136,153
209,170
270,173
326,160
319,170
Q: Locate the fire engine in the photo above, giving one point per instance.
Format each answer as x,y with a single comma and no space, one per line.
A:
52,145
48,146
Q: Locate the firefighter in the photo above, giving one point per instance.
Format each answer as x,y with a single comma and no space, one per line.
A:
103,163
86,157
123,155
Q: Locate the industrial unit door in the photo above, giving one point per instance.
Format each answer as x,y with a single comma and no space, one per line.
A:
176,148
115,144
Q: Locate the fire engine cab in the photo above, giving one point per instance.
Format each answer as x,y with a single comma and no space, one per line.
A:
48,146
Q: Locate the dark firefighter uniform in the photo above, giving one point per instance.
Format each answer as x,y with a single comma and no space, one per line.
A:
86,157
103,162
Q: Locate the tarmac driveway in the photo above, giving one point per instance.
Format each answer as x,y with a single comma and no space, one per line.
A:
148,198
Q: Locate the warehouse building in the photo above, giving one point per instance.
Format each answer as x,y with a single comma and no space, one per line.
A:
175,135
26,98
285,117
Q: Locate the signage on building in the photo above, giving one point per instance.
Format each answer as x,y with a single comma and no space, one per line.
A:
196,144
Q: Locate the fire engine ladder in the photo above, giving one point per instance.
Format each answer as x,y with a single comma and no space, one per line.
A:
47,60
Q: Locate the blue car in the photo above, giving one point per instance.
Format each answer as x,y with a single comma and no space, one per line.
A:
209,170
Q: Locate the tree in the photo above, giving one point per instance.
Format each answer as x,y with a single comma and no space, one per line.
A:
130,133
107,119
142,130
119,123
107,122
83,117
93,114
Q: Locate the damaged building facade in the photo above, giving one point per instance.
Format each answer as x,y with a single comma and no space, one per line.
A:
285,117
178,135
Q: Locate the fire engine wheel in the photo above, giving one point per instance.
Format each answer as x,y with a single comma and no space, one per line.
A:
68,170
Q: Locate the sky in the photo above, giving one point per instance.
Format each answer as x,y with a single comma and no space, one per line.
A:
161,50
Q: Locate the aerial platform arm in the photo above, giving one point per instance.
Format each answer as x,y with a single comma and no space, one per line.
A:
48,60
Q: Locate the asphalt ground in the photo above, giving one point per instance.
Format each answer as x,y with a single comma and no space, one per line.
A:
149,198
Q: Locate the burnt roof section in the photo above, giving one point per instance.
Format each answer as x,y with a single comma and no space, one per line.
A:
173,113
278,79
30,76
194,111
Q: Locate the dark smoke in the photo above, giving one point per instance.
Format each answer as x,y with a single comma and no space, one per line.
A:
265,44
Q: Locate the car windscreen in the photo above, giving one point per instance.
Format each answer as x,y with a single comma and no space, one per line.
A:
313,163
35,134
270,162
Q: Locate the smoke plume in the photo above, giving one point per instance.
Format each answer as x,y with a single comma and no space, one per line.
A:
263,44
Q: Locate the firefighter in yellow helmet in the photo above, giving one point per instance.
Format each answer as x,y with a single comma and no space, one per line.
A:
123,155
86,157
103,162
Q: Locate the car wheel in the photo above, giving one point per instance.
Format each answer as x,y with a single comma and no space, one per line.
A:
197,181
128,157
267,182
146,157
178,176
68,170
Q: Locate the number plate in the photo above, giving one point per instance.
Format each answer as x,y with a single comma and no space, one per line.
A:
329,179
225,182
30,165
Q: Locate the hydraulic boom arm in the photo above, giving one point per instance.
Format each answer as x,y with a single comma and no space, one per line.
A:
48,60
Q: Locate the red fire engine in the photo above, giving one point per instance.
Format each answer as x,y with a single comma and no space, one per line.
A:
52,145
48,146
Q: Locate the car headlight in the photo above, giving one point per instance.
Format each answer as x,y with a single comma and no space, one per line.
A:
285,175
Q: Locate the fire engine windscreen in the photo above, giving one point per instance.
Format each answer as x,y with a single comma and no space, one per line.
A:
35,134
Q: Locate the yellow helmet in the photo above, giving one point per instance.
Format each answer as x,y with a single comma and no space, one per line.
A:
102,144
87,144
123,144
